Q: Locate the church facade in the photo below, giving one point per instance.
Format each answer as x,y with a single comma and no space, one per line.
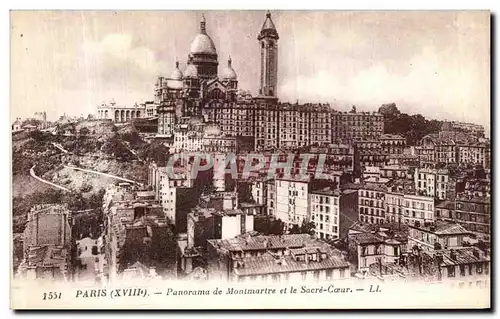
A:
201,91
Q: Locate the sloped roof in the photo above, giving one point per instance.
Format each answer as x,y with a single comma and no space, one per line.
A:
268,23
268,264
244,243
464,256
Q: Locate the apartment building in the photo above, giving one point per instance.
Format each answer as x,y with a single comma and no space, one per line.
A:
333,211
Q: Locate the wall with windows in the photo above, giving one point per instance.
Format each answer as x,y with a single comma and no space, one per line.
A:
371,205
292,201
310,276
325,214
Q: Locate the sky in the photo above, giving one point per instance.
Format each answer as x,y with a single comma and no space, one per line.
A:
431,63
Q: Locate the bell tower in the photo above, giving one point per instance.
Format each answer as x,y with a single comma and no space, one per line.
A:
268,42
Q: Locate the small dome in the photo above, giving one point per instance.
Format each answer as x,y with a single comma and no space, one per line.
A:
191,71
213,130
228,73
176,73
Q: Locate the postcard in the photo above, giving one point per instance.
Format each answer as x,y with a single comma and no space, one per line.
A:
250,159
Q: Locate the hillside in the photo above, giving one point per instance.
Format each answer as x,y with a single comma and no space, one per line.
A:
97,146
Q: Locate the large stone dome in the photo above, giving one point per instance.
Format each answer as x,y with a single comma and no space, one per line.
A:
203,44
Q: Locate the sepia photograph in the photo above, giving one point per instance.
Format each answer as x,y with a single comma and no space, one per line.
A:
250,159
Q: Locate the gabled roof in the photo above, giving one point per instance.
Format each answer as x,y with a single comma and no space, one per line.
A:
440,227
243,243
267,264
463,256
366,238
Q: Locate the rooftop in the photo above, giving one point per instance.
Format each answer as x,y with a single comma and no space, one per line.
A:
46,256
391,137
248,204
366,238
465,255
442,228
243,243
366,186
395,167
295,178
333,192
387,232
475,199
446,204
268,264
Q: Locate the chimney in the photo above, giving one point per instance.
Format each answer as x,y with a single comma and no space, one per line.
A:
475,252
453,255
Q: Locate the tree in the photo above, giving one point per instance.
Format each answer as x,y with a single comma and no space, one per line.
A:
115,147
295,229
413,127
307,228
389,110
277,227
86,187
304,228
84,131
156,152
268,225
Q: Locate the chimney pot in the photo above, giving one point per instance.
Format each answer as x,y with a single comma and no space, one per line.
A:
453,254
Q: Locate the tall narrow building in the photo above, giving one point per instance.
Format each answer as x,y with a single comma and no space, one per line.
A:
268,41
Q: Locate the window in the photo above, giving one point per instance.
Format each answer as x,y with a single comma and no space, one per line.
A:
451,271
364,251
329,273
342,273
479,268
303,275
316,274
